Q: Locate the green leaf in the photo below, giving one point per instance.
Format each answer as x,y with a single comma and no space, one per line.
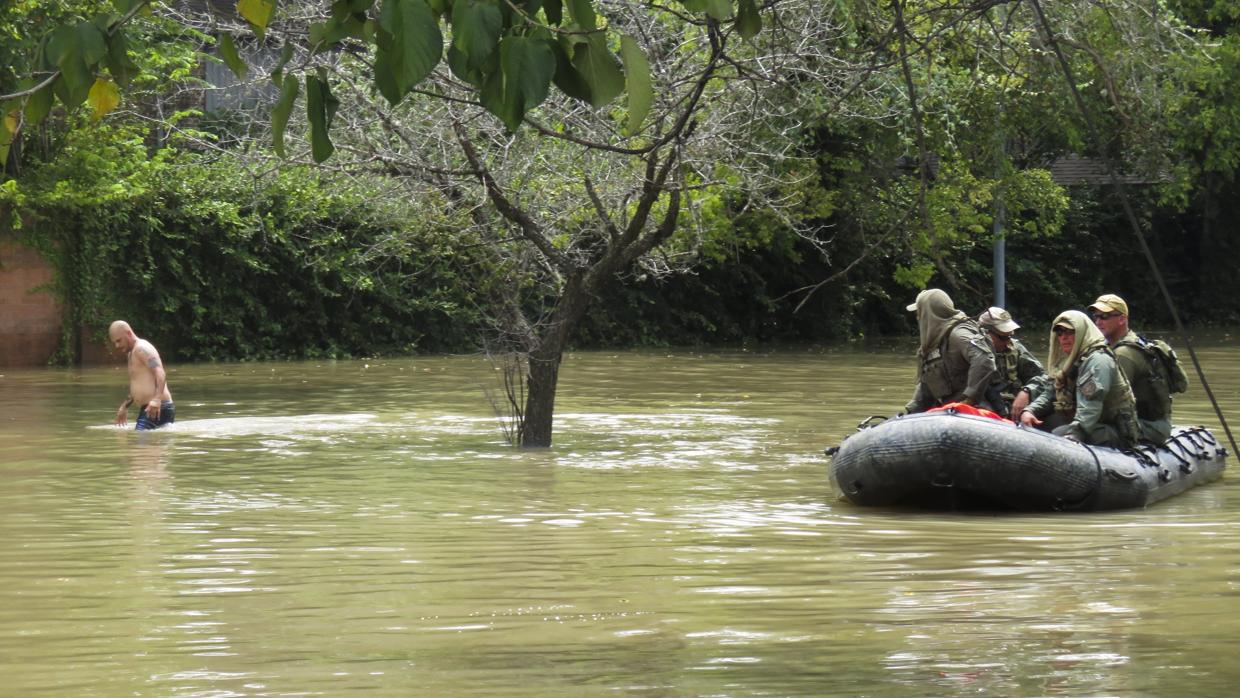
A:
598,67
75,49
385,79
339,11
326,35
637,79
321,107
719,9
523,81
748,21
228,51
74,82
119,64
39,105
553,10
348,19
281,112
528,65
58,45
582,13
91,44
570,82
104,97
476,30
491,95
409,46
9,113
257,12
277,71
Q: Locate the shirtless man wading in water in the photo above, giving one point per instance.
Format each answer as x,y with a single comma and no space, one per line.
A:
148,384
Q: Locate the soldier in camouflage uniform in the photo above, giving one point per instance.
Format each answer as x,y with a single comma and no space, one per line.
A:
1091,401
1019,377
1147,375
955,363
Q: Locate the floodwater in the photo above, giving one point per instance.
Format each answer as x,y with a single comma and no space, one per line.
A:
361,528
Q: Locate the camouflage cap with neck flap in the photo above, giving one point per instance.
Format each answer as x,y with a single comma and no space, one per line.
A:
996,318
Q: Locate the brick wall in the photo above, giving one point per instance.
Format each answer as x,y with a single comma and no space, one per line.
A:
29,319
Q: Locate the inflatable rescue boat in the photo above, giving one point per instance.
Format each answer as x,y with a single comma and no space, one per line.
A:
951,460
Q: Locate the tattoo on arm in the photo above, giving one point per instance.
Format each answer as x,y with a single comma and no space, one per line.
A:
152,359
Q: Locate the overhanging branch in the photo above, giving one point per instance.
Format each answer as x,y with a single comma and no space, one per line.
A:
530,230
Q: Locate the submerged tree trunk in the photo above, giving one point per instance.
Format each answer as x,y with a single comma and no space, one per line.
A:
544,360
544,373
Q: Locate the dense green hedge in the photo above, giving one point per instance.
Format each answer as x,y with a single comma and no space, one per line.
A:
221,263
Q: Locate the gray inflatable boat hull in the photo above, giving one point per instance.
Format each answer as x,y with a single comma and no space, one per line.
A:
945,460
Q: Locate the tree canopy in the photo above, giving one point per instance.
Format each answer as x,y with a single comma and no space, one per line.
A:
510,53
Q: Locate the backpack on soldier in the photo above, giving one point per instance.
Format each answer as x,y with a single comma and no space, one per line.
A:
1177,379
1166,375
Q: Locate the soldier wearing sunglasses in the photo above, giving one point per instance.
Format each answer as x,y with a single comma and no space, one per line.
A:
1020,377
1091,401
1137,357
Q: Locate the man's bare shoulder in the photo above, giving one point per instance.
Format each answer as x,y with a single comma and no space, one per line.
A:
144,352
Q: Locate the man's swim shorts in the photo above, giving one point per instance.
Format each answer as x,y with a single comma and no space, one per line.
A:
167,415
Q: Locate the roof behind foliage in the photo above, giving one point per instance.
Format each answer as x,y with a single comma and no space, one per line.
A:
1072,170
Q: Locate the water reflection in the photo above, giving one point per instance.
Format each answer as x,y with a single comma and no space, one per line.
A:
680,539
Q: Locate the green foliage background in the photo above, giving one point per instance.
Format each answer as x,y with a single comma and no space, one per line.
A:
219,263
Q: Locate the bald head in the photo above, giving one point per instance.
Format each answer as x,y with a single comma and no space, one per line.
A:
118,328
122,335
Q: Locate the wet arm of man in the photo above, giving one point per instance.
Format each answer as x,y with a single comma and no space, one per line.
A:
122,414
155,406
150,359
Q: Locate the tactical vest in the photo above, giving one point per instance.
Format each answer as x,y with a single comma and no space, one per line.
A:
1118,409
944,377
1065,385
1005,367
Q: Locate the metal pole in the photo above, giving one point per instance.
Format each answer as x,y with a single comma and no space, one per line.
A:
1000,249
1000,266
